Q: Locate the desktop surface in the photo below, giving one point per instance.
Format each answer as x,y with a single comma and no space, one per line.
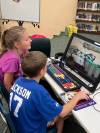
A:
79,67
68,84
88,117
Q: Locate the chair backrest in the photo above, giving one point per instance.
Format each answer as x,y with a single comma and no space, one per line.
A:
4,92
38,36
6,116
41,44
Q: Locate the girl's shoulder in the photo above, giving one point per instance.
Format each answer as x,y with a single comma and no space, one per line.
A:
9,55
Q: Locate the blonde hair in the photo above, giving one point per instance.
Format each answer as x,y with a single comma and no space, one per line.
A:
10,36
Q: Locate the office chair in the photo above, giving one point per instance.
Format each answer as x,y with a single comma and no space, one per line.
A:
5,115
52,130
4,93
41,44
0,94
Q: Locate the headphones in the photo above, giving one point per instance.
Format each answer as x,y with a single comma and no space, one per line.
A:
58,55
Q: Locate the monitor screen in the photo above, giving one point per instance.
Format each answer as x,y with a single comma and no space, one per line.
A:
83,56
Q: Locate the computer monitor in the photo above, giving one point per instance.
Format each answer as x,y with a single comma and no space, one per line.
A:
82,55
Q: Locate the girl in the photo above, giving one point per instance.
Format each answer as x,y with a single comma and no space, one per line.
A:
15,44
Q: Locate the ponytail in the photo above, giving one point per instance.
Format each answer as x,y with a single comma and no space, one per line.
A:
10,36
3,43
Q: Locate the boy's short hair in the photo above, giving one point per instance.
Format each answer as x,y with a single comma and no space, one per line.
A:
33,62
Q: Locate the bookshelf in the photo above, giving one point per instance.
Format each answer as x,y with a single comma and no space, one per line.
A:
88,16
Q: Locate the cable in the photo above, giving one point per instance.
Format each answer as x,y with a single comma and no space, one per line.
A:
98,89
98,110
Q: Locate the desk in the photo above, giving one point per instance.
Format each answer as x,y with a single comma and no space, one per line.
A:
88,117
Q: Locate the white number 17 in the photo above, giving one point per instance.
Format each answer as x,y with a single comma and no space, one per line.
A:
19,103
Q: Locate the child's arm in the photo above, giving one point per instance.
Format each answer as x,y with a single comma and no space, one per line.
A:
8,80
71,104
59,122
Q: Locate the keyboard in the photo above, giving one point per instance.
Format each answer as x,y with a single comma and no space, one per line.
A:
81,78
64,80
66,97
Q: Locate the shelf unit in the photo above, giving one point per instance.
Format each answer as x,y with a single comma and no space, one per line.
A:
88,16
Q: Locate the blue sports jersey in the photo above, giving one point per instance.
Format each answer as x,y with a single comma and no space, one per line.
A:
31,106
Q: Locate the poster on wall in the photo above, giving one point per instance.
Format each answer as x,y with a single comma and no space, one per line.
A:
21,10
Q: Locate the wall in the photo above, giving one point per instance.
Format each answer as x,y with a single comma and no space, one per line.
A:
54,16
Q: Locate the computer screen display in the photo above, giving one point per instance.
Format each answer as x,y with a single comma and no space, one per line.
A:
83,56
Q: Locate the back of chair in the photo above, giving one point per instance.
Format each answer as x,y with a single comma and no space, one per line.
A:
41,44
6,116
4,92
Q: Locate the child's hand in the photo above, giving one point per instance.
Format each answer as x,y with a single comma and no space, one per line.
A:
81,95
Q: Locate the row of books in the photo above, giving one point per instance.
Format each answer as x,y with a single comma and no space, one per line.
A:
89,5
88,16
88,27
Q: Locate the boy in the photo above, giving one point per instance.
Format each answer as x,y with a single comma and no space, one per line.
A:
31,106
